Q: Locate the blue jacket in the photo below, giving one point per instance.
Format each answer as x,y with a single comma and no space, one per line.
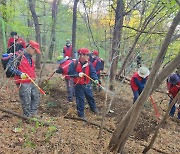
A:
73,73
12,68
141,83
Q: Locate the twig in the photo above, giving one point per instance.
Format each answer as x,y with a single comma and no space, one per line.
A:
89,122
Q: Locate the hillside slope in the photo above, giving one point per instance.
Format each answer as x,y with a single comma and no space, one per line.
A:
72,136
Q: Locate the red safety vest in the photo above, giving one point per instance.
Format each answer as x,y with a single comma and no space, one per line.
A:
67,51
84,79
95,63
19,41
133,84
173,89
25,67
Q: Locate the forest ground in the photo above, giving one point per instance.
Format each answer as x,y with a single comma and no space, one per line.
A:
72,136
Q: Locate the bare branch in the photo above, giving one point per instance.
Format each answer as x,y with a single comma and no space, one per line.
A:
174,38
143,31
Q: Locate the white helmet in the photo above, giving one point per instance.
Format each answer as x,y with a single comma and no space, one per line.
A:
143,72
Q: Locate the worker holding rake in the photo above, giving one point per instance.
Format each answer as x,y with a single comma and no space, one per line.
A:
173,86
24,78
80,71
138,81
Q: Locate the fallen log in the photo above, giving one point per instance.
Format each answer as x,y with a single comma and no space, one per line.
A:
33,120
89,122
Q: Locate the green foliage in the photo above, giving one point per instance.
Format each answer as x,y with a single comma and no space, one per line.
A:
50,132
28,142
51,104
17,12
171,4
13,16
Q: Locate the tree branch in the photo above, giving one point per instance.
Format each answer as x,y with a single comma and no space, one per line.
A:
143,31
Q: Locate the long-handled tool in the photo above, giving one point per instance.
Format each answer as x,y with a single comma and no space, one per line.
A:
42,92
155,107
105,89
50,77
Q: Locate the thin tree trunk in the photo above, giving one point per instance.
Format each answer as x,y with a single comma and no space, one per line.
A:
177,98
55,5
37,29
166,71
128,123
29,23
74,27
116,40
88,25
155,10
3,20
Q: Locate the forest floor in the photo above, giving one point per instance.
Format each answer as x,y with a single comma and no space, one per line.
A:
77,137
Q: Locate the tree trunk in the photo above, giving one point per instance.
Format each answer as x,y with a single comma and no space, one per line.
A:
29,23
44,43
55,5
2,21
74,27
116,40
177,98
37,29
86,19
165,72
127,124
154,12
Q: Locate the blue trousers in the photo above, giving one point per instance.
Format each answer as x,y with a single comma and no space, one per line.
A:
136,94
82,91
173,109
70,89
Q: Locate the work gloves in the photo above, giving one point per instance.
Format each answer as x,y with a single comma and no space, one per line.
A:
59,70
177,105
96,82
24,76
81,74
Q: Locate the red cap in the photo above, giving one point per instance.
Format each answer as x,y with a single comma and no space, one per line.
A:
84,51
35,45
95,53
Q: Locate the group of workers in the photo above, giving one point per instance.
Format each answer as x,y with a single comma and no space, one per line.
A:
138,82
79,74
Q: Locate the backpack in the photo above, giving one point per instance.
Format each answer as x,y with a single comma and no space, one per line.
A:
64,64
5,59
